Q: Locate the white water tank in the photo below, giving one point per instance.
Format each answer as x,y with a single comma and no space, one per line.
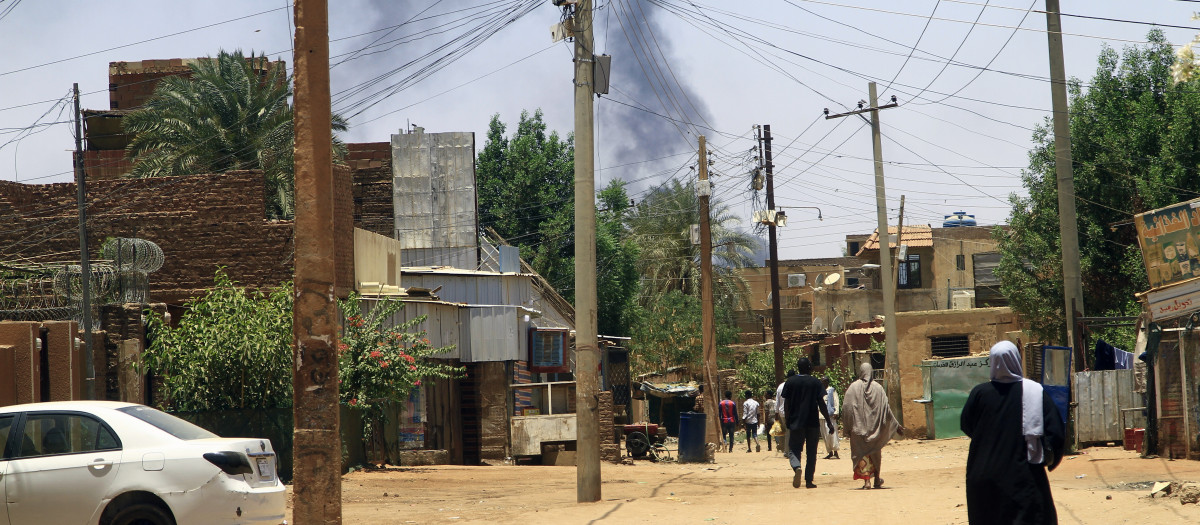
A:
962,299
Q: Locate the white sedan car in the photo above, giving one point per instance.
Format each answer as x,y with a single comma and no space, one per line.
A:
108,463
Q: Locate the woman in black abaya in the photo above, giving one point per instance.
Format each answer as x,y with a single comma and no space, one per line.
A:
1016,435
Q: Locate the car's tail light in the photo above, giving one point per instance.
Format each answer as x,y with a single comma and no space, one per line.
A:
230,462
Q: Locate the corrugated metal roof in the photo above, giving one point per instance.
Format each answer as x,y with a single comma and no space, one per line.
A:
919,236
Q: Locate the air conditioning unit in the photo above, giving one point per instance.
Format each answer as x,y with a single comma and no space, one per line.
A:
963,300
796,280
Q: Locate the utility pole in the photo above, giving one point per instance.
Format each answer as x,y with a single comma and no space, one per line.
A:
899,242
85,267
712,431
773,241
317,449
587,354
892,373
1063,169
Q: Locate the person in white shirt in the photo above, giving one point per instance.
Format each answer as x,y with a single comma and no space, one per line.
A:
780,418
768,417
831,438
750,420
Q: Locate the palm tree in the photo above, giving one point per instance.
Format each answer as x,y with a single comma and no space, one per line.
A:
661,226
232,113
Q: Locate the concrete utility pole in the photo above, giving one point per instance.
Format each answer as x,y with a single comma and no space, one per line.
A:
892,373
317,449
587,354
899,242
773,242
85,267
712,429
1063,168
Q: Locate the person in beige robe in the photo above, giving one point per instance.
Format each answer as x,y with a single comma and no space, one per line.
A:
869,423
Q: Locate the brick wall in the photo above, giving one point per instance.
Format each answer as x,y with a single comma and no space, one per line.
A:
200,222
371,164
106,164
610,447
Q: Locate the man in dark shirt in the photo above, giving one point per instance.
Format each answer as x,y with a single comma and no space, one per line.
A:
802,398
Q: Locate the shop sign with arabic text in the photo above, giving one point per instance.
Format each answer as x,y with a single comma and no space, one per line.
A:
1170,241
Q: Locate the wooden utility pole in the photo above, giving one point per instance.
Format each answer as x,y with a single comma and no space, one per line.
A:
712,427
85,267
886,273
587,354
773,242
1063,169
317,449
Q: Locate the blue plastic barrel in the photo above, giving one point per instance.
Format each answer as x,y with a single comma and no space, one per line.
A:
691,437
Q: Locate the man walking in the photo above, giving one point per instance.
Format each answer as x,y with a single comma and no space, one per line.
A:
769,417
830,436
750,420
803,399
729,418
781,444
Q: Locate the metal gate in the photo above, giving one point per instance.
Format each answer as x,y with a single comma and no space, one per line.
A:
1100,396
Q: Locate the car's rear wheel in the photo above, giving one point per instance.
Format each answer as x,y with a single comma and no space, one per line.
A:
142,514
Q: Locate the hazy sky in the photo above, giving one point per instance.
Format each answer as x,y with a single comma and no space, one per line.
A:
970,93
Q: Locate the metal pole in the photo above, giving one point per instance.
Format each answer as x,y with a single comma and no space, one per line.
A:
317,442
1067,223
85,267
587,355
773,241
892,374
712,430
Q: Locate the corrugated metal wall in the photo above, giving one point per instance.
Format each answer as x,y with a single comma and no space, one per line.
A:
434,194
474,288
1099,396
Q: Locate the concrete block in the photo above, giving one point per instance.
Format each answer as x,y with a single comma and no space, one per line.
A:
424,457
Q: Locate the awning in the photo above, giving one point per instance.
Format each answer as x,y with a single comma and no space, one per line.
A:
689,389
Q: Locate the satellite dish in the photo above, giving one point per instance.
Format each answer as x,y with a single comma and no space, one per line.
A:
818,325
820,279
838,325
832,278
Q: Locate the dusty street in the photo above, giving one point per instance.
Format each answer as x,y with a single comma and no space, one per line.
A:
924,485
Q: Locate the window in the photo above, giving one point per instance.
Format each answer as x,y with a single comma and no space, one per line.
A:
851,248
960,262
950,346
910,272
168,423
52,434
5,429
547,352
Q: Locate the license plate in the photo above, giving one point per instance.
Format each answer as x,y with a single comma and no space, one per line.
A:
266,467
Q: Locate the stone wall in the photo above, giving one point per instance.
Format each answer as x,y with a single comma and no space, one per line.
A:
610,445
200,222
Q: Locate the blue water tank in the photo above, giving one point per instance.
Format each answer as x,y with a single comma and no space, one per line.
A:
958,218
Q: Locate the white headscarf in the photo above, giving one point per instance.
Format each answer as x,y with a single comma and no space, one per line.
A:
1005,361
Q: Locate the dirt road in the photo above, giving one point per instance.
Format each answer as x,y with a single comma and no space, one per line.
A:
924,486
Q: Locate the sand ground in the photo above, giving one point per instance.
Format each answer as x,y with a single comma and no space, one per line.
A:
924,485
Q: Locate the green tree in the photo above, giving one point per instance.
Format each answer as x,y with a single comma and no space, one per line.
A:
527,194
1135,138
666,333
231,113
617,277
231,349
661,226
